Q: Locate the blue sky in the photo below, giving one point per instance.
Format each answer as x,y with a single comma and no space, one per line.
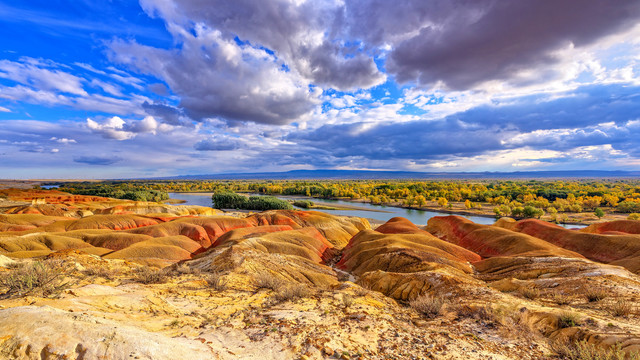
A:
112,89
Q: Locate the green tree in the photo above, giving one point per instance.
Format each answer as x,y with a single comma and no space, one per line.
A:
599,213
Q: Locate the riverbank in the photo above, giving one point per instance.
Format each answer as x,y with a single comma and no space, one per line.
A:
421,214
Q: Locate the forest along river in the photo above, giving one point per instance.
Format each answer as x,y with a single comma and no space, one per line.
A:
376,212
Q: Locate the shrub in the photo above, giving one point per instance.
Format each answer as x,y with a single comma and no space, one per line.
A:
216,282
101,271
560,299
146,275
292,292
228,200
594,295
532,212
582,350
530,292
347,300
427,305
43,278
621,308
568,319
268,281
267,203
305,204
599,213
633,216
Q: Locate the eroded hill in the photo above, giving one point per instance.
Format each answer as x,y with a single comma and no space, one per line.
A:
90,278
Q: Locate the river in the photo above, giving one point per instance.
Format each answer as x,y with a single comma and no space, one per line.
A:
377,212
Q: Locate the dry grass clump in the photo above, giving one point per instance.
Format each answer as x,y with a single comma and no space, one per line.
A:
268,281
147,276
594,295
184,269
40,278
101,271
568,319
621,308
427,305
292,292
582,350
561,299
530,292
347,300
216,282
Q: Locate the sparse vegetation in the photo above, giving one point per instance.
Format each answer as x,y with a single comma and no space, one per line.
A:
621,308
268,281
147,275
530,292
292,292
305,204
347,300
594,295
568,319
560,299
101,271
427,305
582,350
39,278
216,281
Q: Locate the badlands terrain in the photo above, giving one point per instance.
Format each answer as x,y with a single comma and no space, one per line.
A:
85,277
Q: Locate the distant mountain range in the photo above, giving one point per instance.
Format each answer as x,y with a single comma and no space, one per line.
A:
365,174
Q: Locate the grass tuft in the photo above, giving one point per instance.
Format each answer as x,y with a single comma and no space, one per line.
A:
147,276
428,305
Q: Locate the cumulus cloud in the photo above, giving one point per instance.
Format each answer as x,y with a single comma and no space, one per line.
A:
305,34
97,160
112,128
118,129
63,140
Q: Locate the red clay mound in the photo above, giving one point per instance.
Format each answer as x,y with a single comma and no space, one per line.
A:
216,226
405,261
338,230
490,241
307,243
244,233
25,222
370,250
173,228
603,248
614,227
112,222
400,225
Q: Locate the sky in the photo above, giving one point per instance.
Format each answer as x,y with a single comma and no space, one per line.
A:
121,89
